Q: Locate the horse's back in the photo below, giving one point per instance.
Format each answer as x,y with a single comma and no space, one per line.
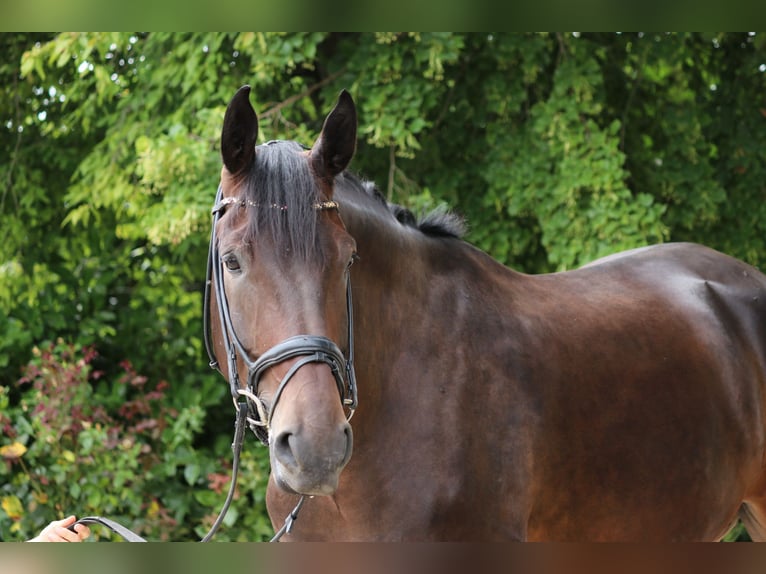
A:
650,394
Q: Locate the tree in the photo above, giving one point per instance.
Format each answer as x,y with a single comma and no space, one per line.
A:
558,148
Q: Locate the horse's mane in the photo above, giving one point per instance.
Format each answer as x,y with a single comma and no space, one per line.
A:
282,192
439,222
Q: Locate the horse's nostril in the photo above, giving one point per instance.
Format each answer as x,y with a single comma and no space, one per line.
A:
283,450
349,442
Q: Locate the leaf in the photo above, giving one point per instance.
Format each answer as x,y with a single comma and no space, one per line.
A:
153,510
12,507
28,62
207,498
12,451
191,473
231,517
94,499
40,497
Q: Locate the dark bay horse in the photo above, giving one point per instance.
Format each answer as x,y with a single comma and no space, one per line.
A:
620,401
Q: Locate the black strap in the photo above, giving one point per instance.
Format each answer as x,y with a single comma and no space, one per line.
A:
115,527
236,447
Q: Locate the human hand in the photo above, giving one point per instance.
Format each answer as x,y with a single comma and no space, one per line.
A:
58,531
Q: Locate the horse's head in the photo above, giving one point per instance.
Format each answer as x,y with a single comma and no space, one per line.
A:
280,308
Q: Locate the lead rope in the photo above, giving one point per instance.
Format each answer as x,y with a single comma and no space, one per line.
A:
236,447
289,520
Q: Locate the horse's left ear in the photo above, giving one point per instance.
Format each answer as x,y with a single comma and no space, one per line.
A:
335,146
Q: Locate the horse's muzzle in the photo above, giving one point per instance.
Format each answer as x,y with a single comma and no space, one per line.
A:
309,461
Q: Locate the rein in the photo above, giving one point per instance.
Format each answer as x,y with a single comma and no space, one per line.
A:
250,409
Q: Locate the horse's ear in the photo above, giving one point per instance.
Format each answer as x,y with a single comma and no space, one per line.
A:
335,146
240,130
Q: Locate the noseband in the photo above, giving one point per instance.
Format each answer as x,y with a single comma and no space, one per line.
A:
308,348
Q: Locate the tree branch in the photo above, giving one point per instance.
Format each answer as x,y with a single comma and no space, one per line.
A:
391,172
307,92
17,147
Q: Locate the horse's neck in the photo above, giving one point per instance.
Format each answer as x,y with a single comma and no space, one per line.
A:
409,289
391,275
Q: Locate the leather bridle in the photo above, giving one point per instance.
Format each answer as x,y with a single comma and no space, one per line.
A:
249,407
309,348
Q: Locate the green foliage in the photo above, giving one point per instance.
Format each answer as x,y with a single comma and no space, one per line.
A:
558,148
737,534
78,441
563,169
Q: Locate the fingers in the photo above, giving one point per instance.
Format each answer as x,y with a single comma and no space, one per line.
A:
62,530
65,535
56,534
58,531
83,532
65,522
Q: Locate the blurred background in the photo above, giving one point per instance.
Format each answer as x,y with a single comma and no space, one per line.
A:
557,148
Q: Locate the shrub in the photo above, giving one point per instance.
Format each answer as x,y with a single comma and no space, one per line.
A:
74,442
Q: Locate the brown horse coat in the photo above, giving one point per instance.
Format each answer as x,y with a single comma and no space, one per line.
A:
620,401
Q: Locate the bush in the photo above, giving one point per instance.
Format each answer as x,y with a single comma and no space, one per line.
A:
77,443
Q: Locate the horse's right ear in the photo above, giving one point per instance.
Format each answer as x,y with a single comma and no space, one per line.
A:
240,130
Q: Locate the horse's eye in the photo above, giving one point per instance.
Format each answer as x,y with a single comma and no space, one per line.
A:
231,262
354,257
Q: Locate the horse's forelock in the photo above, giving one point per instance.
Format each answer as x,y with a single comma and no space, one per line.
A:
283,192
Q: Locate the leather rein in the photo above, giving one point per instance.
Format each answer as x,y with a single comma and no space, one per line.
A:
250,409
